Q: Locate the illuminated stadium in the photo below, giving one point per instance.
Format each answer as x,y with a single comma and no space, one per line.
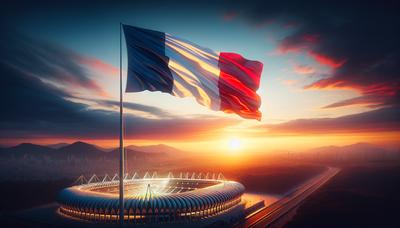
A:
154,200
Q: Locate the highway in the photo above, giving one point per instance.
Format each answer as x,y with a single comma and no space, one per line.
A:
271,213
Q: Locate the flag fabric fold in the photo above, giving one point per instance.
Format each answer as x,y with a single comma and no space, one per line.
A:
223,81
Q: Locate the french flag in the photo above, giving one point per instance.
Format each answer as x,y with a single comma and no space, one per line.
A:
223,81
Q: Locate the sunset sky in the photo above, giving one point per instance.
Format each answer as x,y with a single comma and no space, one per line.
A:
331,74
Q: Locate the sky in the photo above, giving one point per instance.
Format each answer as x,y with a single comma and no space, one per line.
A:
330,74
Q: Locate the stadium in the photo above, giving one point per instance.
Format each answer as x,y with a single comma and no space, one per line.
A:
153,200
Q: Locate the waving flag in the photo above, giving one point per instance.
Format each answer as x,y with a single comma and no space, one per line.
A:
223,81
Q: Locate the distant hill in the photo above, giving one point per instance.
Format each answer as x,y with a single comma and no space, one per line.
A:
81,150
114,154
31,148
42,162
359,152
57,145
27,150
160,148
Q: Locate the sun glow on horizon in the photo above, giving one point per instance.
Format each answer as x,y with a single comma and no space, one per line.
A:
234,144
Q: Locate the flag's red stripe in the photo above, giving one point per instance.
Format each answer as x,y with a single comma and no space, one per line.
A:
238,81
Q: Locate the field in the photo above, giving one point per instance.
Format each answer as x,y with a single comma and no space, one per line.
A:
26,194
359,196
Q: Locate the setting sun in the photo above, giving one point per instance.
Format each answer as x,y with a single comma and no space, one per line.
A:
234,144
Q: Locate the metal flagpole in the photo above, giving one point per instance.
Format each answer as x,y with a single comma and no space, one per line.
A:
121,135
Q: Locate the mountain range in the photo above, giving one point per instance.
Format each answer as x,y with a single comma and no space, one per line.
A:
84,150
81,150
359,152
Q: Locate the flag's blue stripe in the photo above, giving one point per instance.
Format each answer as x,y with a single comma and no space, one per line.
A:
147,62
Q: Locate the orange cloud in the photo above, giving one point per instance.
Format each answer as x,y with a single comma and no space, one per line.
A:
302,69
371,101
326,60
283,49
289,82
381,120
373,95
100,91
307,43
99,66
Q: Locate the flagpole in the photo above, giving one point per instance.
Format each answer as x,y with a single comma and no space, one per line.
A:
121,135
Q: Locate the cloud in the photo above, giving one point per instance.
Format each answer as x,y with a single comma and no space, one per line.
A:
297,43
289,82
371,101
374,94
33,108
381,120
97,65
326,60
27,100
133,107
50,62
359,42
229,16
303,69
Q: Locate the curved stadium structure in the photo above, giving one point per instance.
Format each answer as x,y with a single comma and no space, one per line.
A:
153,200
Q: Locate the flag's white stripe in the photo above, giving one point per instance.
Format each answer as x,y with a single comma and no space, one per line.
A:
195,71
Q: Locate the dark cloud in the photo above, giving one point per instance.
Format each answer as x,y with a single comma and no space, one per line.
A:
35,109
303,69
381,120
45,60
25,98
371,101
32,107
134,107
358,40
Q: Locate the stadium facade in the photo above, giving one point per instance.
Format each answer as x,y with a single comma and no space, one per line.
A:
152,200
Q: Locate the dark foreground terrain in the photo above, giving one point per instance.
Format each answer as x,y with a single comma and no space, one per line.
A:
277,179
359,196
273,179
17,195
21,195
25,194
